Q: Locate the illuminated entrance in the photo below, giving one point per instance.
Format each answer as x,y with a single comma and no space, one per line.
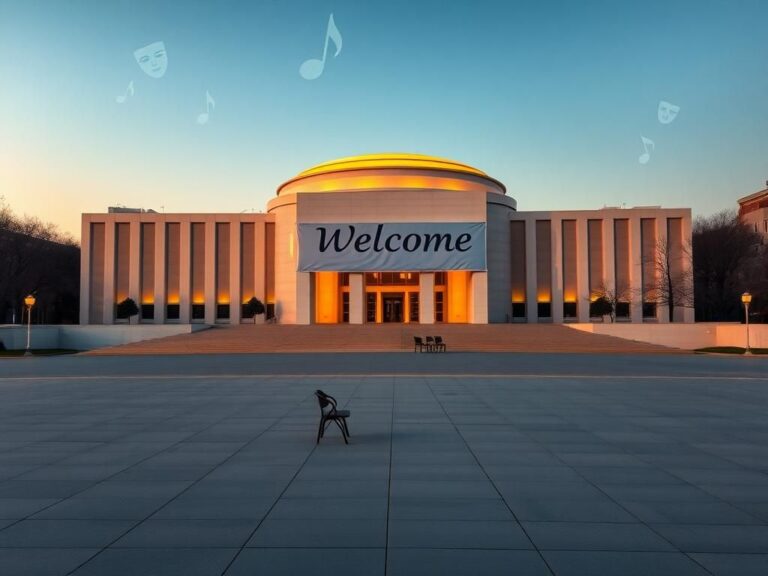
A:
391,297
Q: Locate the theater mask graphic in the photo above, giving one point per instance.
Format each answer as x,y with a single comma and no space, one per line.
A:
153,59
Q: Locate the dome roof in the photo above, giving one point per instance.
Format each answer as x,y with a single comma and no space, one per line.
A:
393,160
397,162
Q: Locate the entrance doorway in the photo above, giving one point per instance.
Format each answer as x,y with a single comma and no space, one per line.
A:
392,304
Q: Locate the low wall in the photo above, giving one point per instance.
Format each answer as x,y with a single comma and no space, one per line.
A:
685,336
75,337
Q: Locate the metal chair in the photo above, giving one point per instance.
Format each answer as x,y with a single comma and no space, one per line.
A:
431,344
439,344
330,413
418,343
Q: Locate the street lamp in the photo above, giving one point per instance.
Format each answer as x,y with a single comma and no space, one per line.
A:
29,301
746,298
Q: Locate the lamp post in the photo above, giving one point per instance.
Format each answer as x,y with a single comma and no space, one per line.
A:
746,298
29,301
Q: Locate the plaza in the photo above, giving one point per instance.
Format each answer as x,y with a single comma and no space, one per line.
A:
459,463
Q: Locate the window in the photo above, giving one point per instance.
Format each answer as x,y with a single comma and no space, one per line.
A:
518,309
392,278
439,307
413,310
622,309
545,310
270,310
344,278
147,311
222,311
370,307
649,309
345,307
172,312
569,310
198,311
439,278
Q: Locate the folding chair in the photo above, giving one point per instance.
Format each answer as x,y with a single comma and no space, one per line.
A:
329,413
439,344
418,343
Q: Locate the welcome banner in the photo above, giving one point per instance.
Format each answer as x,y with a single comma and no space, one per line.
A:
406,246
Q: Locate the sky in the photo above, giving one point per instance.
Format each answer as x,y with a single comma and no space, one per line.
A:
551,98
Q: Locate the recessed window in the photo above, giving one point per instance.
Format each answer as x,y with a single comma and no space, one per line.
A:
222,311
622,309
544,309
413,307
198,311
345,307
649,309
172,312
147,311
518,309
370,307
570,310
439,306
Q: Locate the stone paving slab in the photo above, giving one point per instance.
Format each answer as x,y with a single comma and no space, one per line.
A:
657,470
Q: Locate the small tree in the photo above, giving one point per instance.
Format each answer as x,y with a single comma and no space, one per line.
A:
607,300
601,306
127,308
253,308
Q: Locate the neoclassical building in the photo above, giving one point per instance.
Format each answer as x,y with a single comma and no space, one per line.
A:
383,238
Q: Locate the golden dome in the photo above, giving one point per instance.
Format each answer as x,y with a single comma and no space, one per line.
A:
396,160
391,161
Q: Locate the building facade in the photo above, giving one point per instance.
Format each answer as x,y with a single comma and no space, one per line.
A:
384,238
753,211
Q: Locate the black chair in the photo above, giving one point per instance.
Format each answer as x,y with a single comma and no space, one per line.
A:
431,344
330,413
418,343
439,344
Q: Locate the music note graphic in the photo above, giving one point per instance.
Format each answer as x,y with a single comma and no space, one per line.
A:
646,156
313,68
128,92
203,117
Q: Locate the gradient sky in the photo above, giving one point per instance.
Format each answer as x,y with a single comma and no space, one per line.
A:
551,98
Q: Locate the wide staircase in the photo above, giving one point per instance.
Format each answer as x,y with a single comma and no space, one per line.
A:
271,338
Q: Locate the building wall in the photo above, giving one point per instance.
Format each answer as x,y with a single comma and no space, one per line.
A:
536,260
572,256
179,260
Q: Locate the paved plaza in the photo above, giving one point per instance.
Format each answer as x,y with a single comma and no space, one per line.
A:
459,464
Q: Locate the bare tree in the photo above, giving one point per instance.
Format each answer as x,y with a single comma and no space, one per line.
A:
672,281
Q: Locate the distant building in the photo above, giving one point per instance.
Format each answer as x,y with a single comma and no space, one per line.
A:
383,238
753,210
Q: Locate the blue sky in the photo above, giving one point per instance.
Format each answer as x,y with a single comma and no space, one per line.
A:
551,98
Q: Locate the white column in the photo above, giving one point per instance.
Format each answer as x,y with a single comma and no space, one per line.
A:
356,299
85,270
304,298
662,311
235,273
210,271
582,269
160,272
635,269
185,270
109,271
557,270
478,294
427,298
531,279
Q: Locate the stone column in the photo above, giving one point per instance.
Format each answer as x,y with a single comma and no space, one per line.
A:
235,272
85,270
426,298
356,299
557,270
582,269
210,271
635,269
662,311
